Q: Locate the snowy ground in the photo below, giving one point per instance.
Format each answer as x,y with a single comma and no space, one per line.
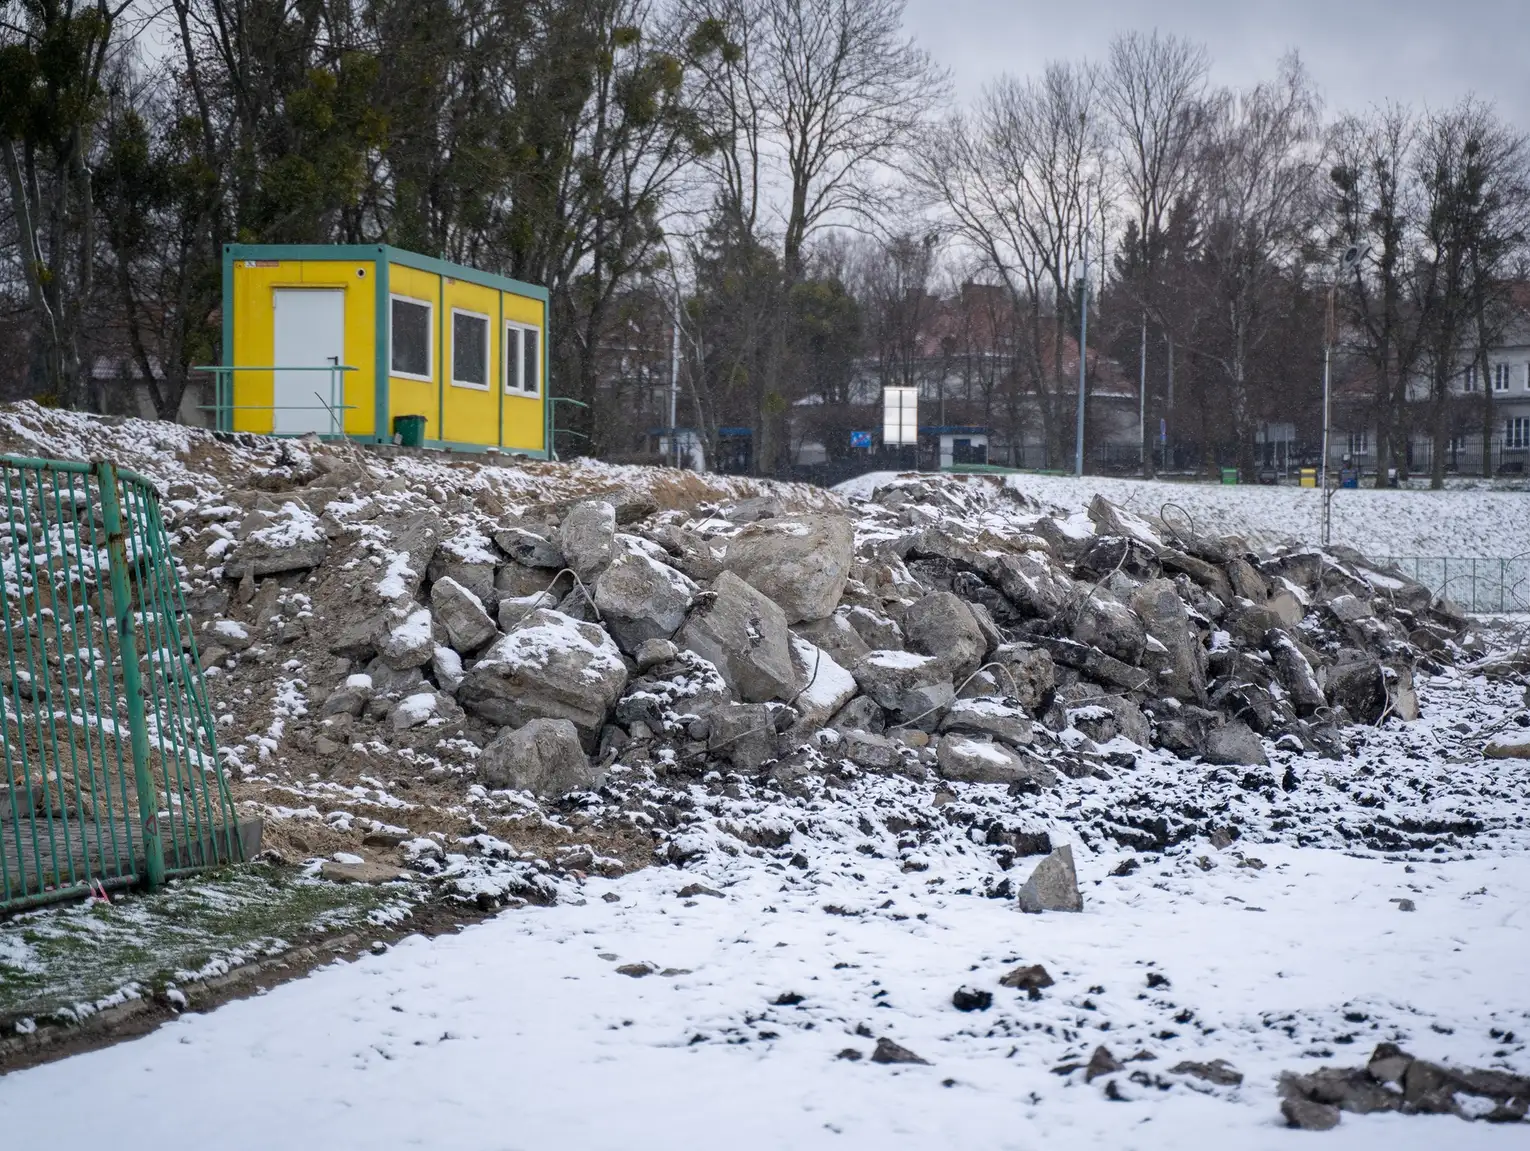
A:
1379,523
521,1034
1281,951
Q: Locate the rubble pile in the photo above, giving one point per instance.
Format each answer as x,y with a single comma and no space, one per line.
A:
919,631
944,629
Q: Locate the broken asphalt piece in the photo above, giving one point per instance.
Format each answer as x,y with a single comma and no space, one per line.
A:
1218,1071
889,1052
364,872
788,999
849,1054
971,999
1028,979
1102,1062
636,970
1053,886
1393,1080
1309,1116
691,890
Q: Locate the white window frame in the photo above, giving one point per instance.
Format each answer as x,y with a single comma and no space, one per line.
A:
1500,377
1469,378
1516,432
430,341
1360,443
514,362
488,362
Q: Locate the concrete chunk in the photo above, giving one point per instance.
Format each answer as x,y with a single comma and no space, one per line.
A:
1053,886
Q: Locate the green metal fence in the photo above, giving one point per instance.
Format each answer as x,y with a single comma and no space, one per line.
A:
1478,585
111,767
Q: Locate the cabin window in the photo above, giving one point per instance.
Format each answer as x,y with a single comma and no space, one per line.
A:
411,343
523,360
470,349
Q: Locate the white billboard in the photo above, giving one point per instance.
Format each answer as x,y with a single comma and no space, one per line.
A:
900,416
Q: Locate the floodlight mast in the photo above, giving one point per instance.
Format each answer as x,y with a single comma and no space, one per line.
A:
1349,264
1083,340
1327,378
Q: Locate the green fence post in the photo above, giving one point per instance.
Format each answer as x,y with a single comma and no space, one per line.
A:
127,650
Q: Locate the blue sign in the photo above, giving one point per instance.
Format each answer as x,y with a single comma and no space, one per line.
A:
860,439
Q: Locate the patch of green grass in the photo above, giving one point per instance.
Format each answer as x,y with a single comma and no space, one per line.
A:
65,959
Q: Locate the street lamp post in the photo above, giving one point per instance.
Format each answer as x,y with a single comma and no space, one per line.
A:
1327,377
1083,343
1349,264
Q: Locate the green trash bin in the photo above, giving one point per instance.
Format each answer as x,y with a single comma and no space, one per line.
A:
409,431
1229,475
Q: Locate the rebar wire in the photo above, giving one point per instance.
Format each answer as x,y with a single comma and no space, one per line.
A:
1163,518
1013,690
547,591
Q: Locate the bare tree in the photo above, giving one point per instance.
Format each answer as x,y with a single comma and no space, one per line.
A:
1475,173
1260,183
1153,87
723,44
1377,205
848,90
892,279
1017,180
809,101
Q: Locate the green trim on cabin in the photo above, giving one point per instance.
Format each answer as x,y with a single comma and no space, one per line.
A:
455,446
381,433
305,251
504,370
548,446
384,252
463,272
443,369
226,422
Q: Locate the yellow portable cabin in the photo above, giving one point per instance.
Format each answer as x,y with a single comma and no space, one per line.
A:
355,339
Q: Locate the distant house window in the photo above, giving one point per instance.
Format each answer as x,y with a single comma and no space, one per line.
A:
1469,381
411,342
1500,377
1359,443
470,350
1517,432
523,360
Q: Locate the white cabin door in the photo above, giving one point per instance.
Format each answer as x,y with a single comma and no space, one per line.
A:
310,333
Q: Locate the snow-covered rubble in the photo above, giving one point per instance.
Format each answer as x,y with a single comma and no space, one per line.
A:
940,699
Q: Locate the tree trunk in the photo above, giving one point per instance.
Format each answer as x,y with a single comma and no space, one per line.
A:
1440,428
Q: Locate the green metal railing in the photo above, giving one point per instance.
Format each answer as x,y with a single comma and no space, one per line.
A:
1479,585
111,768
223,406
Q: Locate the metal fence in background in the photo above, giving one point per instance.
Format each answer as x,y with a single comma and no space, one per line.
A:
111,767
1481,586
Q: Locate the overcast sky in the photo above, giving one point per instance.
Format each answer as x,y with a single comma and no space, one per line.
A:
1361,51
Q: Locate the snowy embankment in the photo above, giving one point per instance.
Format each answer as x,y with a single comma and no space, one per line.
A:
1476,523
